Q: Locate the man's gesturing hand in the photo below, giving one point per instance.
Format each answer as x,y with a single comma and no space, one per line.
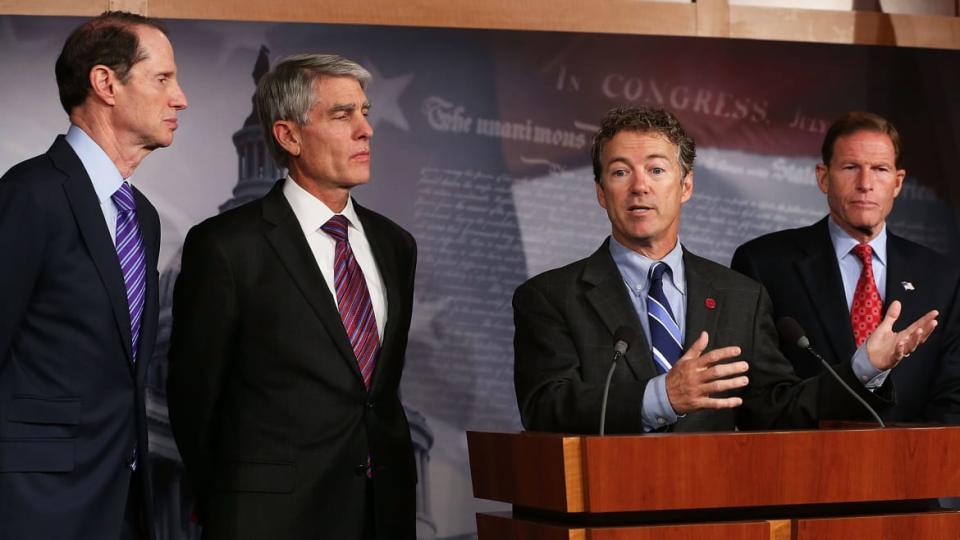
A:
696,376
886,348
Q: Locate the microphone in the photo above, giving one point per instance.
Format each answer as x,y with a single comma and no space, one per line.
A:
622,338
791,331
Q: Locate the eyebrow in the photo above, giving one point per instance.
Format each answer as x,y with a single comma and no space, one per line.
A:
347,107
629,162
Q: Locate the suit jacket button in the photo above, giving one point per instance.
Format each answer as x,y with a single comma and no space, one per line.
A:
360,470
369,404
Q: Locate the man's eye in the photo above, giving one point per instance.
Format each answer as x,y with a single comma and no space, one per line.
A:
657,170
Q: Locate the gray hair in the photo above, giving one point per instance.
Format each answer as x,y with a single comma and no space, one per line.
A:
286,93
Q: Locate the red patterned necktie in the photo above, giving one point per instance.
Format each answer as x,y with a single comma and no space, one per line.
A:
353,300
865,311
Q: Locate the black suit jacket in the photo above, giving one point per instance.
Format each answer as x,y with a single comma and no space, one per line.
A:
71,400
565,320
800,269
267,402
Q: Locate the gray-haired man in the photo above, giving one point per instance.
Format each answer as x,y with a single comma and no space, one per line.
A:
290,325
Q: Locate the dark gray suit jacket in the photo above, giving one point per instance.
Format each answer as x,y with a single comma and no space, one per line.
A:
799,268
565,319
267,402
71,400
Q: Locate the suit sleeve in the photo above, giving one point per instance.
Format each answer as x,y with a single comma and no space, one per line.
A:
205,321
944,404
548,374
776,398
22,243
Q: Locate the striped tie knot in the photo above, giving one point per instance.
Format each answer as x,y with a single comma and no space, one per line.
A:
336,227
123,198
657,271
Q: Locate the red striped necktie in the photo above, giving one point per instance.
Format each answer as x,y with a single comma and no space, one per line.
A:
353,299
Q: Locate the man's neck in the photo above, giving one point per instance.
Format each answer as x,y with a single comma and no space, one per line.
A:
862,236
334,197
124,155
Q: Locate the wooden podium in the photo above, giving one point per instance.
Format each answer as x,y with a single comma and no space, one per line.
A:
797,485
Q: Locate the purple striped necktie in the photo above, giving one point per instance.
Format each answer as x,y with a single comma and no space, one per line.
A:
132,258
353,300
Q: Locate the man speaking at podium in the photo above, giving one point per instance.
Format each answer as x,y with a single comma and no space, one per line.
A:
817,274
707,357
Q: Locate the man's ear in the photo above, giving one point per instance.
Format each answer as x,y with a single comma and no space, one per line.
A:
287,134
103,84
823,181
686,188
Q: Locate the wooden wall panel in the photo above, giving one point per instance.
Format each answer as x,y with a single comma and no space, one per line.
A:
707,18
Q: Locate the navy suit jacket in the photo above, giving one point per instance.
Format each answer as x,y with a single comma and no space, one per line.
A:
71,399
799,269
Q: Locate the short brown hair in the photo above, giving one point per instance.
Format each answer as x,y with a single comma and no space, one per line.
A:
107,39
853,122
643,120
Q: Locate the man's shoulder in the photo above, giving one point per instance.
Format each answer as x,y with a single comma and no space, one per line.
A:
37,172
784,241
922,259
380,223
236,222
719,275
558,279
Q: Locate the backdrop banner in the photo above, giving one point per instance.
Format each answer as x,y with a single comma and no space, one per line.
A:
481,150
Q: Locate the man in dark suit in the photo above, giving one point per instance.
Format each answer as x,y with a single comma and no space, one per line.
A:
290,323
814,274
78,301
643,278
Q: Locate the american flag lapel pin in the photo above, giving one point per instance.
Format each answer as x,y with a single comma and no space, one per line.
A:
907,286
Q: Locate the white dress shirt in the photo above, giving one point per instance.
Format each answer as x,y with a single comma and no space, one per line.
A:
312,213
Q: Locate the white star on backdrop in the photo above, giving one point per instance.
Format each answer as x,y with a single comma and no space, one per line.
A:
384,95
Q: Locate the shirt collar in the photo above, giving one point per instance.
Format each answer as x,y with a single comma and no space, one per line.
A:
100,168
843,243
635,268
311,212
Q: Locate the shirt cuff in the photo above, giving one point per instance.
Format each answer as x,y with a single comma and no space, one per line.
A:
871,377
656,411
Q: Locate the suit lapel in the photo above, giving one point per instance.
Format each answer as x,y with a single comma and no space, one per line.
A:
820,275
607,294
291,246
699,316
385,258
89,217
899,278
148,328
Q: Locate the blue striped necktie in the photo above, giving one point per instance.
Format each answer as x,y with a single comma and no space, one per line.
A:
665,338
132,258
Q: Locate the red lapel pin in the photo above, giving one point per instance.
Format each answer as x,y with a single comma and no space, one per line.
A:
710,303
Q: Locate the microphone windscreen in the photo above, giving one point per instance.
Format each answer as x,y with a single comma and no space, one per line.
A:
791,332
623,337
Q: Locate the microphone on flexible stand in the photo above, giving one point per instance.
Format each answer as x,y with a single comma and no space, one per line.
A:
622,338
791,331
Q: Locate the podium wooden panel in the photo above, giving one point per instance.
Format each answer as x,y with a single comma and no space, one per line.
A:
793,485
